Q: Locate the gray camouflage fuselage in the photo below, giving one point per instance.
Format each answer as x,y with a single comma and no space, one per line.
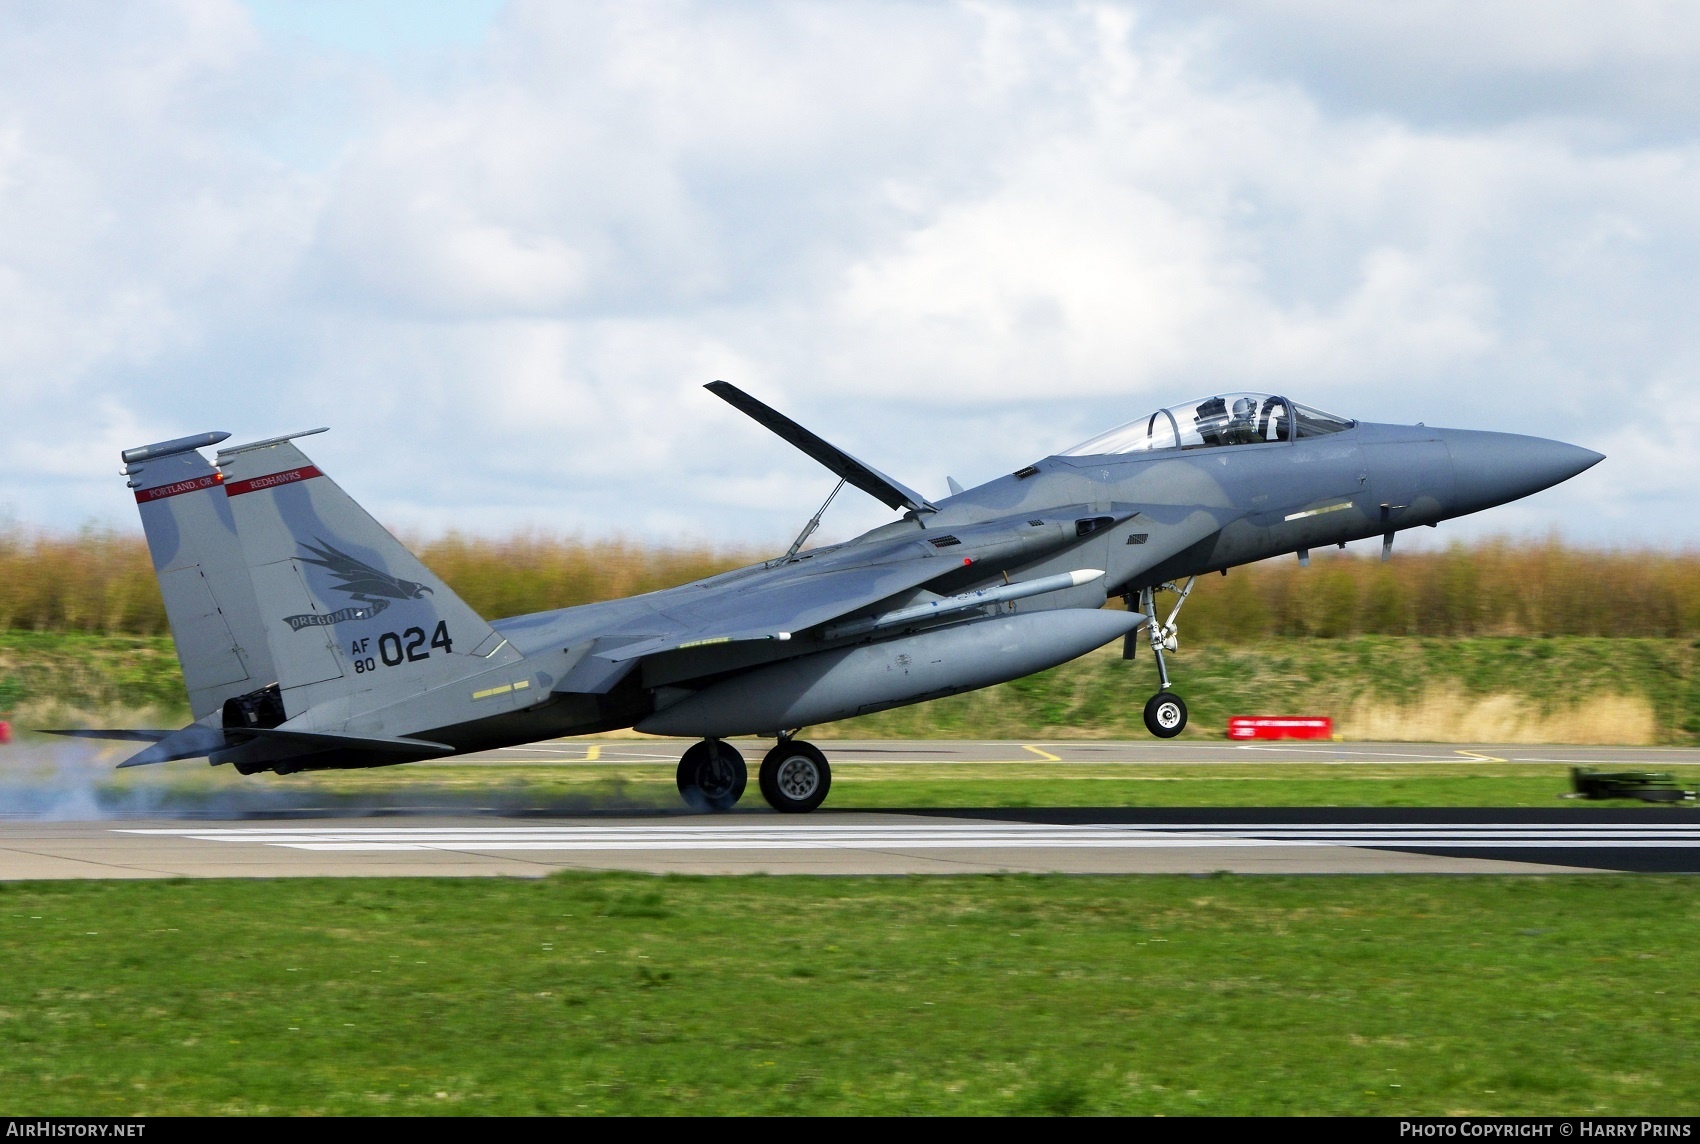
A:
315,595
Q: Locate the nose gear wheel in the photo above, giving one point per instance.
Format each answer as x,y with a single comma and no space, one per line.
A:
1165,715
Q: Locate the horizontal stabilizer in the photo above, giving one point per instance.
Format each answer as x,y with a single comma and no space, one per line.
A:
865,477
198,740
192,742
125,734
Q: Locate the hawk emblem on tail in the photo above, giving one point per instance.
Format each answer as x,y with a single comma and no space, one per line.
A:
373,587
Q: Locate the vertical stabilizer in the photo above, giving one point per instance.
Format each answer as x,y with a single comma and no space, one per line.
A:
209,598
352,618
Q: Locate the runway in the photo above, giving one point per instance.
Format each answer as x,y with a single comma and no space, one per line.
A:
1108,841
278,833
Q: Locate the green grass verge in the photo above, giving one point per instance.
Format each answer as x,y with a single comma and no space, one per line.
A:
81,672
52,675
630,994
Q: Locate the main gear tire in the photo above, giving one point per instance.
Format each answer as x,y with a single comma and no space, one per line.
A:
712,776
1165,715
795,777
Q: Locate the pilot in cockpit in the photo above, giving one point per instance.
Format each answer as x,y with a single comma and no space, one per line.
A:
1242,426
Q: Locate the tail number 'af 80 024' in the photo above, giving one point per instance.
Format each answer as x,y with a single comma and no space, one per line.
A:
397,648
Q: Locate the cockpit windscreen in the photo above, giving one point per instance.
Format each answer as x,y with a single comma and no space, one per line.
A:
1226,419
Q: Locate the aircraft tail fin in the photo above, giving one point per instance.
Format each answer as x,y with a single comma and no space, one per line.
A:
349,613
209,598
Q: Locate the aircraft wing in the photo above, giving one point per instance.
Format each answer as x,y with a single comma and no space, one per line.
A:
772,608
865,477
778,602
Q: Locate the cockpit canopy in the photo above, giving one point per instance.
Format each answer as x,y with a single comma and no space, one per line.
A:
1226,419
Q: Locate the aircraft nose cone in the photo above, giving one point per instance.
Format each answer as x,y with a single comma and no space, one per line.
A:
1493,468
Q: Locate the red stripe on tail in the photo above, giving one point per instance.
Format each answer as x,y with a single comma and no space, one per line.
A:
143,496
272,481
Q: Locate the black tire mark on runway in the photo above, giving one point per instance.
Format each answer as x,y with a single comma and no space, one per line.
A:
1578,816
1679,857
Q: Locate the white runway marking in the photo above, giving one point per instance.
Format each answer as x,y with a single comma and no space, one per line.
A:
994,835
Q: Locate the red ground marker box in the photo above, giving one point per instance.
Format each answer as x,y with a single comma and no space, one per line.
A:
1280,727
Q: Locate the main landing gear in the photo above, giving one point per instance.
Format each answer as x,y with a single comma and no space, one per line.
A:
794,778
712,776
1165,712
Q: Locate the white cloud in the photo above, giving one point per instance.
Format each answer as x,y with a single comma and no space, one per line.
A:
950,237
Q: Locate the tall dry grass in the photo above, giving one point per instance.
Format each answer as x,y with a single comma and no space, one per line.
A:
95,580
1445,714
100,581
535,572
1498,587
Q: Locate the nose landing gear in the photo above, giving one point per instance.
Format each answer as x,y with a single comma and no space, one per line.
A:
1165,715
1165,712
712,776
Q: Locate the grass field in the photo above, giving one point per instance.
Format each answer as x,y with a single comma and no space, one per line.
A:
612,993
1483,689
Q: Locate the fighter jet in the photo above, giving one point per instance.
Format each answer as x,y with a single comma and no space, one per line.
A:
311,638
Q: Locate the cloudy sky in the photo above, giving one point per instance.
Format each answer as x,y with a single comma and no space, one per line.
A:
499,247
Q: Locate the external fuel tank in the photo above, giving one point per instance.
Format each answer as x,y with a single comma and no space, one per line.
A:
843,682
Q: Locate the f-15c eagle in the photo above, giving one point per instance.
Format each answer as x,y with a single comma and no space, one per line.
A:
311,638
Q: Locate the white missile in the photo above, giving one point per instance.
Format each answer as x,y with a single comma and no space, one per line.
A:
966,601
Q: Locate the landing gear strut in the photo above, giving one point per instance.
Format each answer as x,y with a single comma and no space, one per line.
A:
1165,712
795,776
712,776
